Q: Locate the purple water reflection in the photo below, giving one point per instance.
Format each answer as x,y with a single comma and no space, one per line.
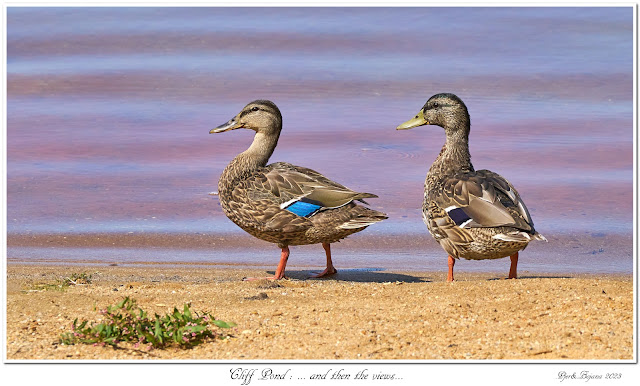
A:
109,109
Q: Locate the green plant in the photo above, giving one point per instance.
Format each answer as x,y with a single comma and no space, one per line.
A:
58,286
63,284
126,322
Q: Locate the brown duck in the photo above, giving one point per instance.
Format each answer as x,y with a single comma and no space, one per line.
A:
472,214
283,203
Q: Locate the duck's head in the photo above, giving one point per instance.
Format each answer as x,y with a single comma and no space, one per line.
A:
261,116
444,110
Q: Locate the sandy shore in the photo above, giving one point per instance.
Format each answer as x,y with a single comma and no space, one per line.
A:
353,315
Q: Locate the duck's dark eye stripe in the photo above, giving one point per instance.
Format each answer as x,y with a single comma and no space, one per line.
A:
458,216
435,105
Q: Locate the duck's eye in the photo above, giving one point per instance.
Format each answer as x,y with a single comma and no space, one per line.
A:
255,108
435,105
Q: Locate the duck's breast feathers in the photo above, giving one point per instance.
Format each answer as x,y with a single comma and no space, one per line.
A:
482,199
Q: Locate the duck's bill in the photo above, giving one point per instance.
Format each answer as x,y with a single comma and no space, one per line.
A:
416,121
231,125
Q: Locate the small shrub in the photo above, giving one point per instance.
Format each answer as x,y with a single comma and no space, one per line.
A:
58,286
126,322
63,284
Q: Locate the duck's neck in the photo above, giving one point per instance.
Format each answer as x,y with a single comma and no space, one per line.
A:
453,158
255,157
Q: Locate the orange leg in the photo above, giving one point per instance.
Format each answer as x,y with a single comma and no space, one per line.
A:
513,270
452,262
279,271
330,270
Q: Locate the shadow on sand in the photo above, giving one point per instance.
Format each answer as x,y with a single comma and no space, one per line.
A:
359,275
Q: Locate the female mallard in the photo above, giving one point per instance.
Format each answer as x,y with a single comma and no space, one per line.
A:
472,214
284,203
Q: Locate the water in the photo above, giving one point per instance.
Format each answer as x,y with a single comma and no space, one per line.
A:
109,109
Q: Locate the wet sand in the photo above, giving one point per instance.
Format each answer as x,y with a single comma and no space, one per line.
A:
352,315
374,249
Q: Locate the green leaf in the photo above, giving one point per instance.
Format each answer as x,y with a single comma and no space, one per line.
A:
197,328
187,312
157,331
222,324
177,315
121,304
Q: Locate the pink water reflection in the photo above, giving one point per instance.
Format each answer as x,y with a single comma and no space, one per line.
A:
108,129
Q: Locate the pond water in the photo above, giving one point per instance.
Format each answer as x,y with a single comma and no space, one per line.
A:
109,109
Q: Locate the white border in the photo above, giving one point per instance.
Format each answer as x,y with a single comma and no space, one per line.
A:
423,372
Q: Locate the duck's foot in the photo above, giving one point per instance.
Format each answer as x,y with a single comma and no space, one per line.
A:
330,270
451,263
284,256
327,272
513,270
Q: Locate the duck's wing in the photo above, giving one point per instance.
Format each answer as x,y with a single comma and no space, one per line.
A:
302,190
483,199
283,196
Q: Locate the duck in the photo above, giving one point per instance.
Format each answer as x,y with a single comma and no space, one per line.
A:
282,203
472,214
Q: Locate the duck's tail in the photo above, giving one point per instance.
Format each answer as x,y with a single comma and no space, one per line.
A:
538,236
519,236
365,218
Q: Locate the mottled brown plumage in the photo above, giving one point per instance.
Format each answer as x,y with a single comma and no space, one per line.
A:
271,201
472,214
